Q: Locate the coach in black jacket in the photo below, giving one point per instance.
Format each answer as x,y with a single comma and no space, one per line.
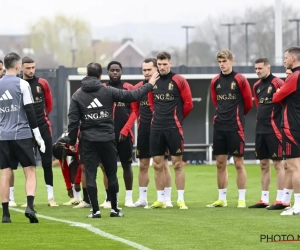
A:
93,106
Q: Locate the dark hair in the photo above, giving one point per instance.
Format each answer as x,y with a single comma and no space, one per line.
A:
1,62
27,59
94,69
163,55
295,51
263,60
11,59
113,62
153,60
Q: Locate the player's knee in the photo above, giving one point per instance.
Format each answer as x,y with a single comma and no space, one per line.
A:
158,167
264,166
221,165
144,169
239,166
292,168
278,166
221,162
144,166
177,166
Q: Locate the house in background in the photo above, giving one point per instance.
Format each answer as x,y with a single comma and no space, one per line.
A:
126,52
129,54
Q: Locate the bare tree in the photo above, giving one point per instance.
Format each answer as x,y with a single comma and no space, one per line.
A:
68,39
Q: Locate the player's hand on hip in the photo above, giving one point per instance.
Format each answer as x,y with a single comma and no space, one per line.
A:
122,137
154,78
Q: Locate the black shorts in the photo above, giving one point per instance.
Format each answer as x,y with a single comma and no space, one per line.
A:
143,147
268,146
228,142
18,151
124,149
290,143
160,140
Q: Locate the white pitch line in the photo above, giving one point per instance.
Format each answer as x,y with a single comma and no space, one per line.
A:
89,228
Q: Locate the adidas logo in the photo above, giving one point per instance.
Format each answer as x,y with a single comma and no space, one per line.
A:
235,152
155,87
6,96
178,151
218,86
274,155
95,104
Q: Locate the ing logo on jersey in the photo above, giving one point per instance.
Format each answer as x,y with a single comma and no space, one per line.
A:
233,85
269,89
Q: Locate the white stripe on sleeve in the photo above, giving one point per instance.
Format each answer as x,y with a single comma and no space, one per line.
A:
26,91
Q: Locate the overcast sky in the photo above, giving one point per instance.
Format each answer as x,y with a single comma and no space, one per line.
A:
16,15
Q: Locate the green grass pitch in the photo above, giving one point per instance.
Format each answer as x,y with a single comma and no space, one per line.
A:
198,227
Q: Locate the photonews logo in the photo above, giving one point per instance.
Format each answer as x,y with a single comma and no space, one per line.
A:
268,238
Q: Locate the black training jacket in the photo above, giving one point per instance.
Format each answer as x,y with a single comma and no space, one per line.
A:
91,109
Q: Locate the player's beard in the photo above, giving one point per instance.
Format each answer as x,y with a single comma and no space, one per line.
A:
28,76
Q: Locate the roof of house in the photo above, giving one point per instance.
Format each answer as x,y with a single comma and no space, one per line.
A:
125,45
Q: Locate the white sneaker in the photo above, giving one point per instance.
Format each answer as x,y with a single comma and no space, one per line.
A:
129,203
73,201
141,203
291,211
169,204
24,205
82,204
52,203
107,205
103,204
12,204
